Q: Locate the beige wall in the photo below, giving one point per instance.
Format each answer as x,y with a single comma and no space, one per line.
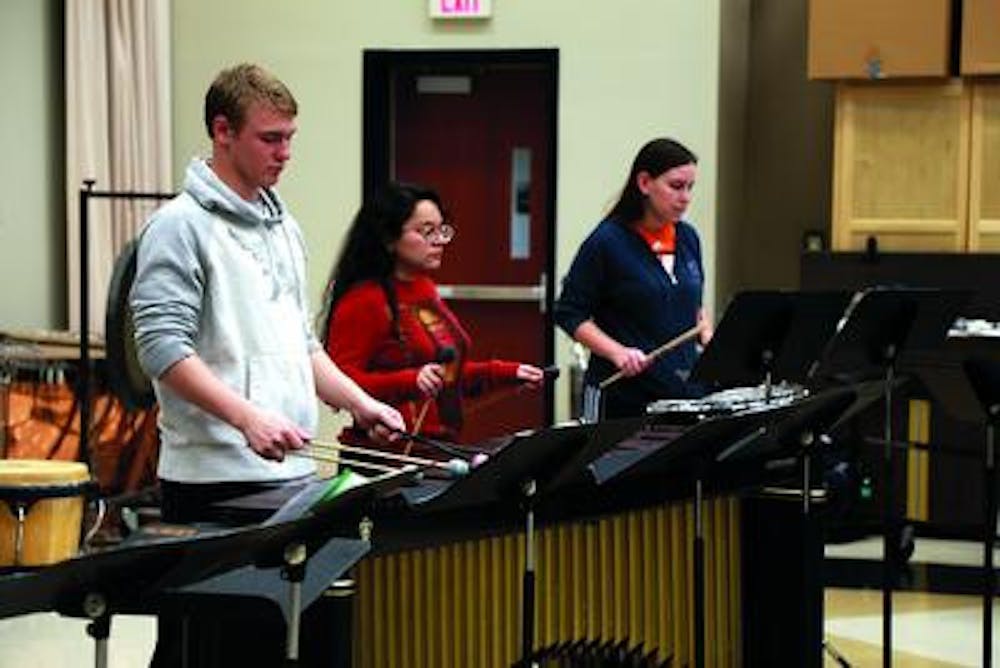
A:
32,274
788,150
734,73
629,71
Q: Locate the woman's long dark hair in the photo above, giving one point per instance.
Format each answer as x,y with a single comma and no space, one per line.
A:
657,156
366,254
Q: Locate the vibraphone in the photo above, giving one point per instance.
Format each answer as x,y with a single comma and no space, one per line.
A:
615,561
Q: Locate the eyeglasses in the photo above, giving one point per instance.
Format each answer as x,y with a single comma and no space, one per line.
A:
442,233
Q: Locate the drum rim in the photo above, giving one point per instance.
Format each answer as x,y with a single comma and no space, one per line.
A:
38,492
39,472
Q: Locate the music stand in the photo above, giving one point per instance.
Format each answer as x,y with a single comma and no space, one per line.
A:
98,585
767,335
529,463
984,376
301,531
694,451
525,456
148,567
290,586
880,325
800,433
720,445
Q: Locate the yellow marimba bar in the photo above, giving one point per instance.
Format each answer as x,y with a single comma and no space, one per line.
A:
622,577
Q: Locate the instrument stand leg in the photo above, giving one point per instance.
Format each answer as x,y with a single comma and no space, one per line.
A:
807,649
699,579
812,555
528,581
766,360
839,658
888,516
989,534
295,572
99,628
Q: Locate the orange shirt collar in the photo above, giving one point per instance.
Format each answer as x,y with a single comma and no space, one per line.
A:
661,242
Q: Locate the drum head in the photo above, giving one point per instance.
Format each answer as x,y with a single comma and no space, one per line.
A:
31,472
125,376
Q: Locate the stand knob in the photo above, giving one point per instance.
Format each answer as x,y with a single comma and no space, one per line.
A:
94,605
365,529
295,554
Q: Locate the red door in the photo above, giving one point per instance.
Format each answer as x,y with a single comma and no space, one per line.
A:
481,140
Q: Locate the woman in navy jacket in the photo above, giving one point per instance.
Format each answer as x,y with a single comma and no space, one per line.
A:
637,282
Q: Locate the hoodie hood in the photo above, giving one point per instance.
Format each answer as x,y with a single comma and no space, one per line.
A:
214,195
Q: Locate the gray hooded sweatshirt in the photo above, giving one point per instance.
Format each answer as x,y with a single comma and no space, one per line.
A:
224,278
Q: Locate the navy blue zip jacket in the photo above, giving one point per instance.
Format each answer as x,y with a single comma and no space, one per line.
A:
618,282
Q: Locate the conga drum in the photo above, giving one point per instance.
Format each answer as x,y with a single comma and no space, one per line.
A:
41,510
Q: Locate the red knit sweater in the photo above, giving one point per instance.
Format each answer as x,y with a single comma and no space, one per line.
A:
362,342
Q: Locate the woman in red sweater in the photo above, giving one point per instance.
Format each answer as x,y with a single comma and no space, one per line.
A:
388,329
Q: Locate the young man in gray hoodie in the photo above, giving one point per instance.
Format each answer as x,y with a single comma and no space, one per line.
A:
221,317
223,328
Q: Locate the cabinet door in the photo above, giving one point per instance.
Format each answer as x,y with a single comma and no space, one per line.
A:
984,177
981,37
873,39
901,156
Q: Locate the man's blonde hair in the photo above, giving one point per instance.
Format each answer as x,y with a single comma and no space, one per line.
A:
236,88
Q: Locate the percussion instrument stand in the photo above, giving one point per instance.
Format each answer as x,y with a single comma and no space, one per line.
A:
88,193
983,375
888,510
699,577
813,621
878,325
528,489
294,571
95,607
989,532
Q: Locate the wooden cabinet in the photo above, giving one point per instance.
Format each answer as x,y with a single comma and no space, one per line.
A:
901,158
874,39
981,37
984,172
917,166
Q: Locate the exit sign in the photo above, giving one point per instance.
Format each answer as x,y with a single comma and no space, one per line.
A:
461,9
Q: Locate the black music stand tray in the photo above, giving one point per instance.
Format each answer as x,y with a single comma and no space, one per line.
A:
695,449
880,326
529,463
99,585
984,376
717,446
141,573
298,534
764,336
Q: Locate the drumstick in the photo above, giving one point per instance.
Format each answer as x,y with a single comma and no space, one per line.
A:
334,459
549,374
418,423
662,350
452,466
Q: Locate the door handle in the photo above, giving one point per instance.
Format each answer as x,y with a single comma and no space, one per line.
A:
497,293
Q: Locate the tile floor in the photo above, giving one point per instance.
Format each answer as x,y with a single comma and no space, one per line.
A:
46,640
929,630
